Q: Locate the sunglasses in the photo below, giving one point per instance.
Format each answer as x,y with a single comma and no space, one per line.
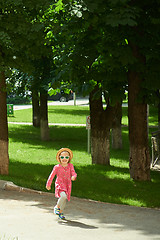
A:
62,157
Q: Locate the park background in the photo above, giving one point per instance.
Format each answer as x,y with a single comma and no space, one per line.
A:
104,47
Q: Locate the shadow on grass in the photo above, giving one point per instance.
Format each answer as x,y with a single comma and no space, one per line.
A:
73,137
79,112
113,184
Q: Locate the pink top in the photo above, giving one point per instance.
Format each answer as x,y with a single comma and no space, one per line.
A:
63,181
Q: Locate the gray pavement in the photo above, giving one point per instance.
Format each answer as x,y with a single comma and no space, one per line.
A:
28,215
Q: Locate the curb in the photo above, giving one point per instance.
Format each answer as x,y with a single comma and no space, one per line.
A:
10,186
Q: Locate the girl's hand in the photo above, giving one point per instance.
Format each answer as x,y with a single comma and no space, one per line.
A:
48,188
73,178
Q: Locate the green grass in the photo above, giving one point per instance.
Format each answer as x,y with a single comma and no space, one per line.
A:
56,114
31,160
73,114
153,116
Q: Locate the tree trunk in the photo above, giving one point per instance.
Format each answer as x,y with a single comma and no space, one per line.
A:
35,109
44,117
158,95
4,157
101,121
116,129
100,148
139,160
158,116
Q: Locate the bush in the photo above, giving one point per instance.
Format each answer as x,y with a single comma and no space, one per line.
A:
18,100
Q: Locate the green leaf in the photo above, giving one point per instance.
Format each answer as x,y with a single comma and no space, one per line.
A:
59,6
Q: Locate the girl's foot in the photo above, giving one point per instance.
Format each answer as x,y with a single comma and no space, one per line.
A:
56,210
61,216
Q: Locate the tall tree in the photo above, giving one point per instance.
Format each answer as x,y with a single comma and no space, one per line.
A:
80,57
127,36
143,40
20,37
45,77
101,123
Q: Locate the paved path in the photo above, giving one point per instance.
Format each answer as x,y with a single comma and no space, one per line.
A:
79,102
28,215
52,124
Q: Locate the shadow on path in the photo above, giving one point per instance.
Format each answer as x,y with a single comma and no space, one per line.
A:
72,223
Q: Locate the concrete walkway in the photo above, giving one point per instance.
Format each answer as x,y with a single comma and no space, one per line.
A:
28,215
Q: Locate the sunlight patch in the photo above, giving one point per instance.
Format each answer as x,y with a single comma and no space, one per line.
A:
132,202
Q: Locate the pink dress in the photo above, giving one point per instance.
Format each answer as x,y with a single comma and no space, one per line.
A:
63,181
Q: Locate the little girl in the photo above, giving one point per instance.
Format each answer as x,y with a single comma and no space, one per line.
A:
65,175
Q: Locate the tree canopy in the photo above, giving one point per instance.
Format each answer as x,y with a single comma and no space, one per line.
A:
21,35
108,46
21,32
93,41
98,46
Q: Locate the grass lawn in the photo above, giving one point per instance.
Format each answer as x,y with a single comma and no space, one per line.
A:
31,160
73,114
56,114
